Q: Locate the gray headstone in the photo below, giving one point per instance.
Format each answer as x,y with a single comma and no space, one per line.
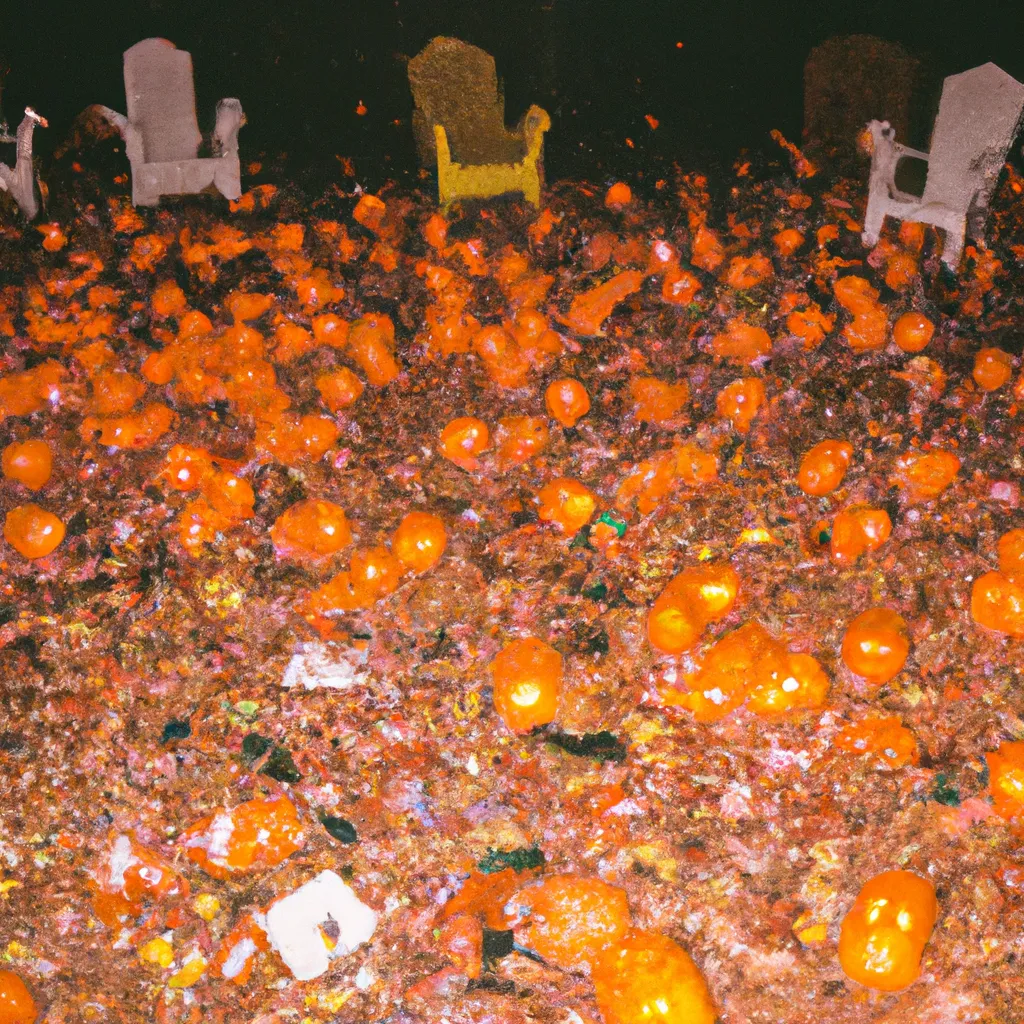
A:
848,80
455,84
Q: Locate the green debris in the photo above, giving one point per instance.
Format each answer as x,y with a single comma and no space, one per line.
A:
824,536
279,765
945,792
497,944
582,539
523,859
615,522
340,829
596,591
602,746
176,729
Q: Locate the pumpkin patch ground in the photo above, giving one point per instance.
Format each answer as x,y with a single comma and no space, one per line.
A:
608,606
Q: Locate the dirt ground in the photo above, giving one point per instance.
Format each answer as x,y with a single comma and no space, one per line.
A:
146,663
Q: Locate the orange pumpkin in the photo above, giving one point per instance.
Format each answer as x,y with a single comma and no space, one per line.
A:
419,541
29,463
527,676
885,931
823,467
912,332
876,645
32,531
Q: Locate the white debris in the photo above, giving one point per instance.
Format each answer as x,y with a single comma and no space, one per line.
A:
320,921
121,859
218,835
238,958
316,665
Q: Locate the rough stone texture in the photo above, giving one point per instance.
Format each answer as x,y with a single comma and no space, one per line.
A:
847,81
455,84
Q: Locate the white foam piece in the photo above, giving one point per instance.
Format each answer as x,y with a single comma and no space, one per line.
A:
315,665
303,924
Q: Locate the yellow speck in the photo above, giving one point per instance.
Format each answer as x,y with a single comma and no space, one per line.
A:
16,949
334,1001
189,974
157,951
645,730
913,694
758,535
655,855
705,554
813,935
206,906
7,885
466,707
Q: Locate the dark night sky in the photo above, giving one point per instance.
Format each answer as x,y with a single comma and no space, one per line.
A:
598,66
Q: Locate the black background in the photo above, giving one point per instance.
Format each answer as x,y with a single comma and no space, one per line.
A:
301,67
